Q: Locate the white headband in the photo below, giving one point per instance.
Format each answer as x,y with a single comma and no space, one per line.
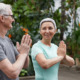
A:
46,20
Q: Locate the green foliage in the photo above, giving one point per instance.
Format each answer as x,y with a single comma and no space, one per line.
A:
29,13
73,42
23,73
16,33
30,68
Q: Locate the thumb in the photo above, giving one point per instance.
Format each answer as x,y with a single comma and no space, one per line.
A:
17,45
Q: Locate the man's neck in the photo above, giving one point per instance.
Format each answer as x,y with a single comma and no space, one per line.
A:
3,31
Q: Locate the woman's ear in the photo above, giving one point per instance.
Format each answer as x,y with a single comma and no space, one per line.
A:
55,31
40,31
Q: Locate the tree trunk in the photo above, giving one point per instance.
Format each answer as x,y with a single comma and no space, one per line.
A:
74,11
63,18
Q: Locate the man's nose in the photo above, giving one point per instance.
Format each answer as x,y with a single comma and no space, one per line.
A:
13,20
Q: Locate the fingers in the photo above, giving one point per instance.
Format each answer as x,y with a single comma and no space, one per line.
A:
26,40
17,45
23,39
30,42
62,44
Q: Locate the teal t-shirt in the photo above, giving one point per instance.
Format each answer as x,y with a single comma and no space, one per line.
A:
49,52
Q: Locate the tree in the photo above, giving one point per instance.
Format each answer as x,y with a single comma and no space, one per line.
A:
63,19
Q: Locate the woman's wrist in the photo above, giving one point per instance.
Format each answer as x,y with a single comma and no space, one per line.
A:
61,57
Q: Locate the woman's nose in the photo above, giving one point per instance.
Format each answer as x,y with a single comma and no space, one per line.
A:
47,30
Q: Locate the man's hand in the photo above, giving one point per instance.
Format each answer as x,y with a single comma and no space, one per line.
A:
24,47
62,49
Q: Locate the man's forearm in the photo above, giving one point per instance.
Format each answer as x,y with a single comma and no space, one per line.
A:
26,64
13,70
18,65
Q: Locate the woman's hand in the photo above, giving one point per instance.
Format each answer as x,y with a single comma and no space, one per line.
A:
62,49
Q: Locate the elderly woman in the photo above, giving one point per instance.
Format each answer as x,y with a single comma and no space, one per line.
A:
46,56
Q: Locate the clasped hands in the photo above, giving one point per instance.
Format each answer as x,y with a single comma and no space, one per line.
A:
24,47
62,49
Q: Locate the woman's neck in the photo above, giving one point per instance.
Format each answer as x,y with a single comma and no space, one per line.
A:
46,42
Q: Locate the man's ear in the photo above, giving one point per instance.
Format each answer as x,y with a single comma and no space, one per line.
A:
1,18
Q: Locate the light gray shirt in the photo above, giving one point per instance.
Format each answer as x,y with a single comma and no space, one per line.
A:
7,50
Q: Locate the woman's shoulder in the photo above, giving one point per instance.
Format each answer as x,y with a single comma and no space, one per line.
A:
54,45
36,44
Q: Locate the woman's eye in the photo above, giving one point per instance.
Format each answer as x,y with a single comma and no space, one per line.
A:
44,28
50,28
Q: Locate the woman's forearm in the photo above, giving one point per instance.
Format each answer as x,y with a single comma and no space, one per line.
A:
68,60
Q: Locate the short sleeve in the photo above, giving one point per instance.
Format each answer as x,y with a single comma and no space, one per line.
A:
35,50
2,54
15,50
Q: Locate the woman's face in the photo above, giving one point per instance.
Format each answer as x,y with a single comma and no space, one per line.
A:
47,30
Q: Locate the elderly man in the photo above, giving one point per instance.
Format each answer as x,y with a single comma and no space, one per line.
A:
12,60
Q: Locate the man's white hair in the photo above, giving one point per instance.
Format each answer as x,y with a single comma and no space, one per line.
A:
48,20
4,8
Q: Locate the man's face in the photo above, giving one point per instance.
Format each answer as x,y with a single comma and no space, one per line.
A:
8,19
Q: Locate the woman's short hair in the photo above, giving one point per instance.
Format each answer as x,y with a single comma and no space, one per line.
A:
4,8
48,20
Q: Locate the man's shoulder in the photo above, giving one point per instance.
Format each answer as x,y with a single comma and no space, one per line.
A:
3,41
6,38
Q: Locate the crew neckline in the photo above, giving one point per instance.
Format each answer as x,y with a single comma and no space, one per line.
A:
45,45
2,38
